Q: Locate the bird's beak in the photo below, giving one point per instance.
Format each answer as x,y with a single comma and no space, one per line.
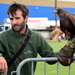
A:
55,11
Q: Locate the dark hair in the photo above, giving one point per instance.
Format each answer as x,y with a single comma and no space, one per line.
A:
15,6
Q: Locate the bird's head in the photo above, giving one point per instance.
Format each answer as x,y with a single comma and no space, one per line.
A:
61,12
58,11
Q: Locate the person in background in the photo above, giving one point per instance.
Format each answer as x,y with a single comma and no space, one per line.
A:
12,39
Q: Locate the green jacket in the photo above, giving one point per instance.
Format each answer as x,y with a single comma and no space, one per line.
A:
10,42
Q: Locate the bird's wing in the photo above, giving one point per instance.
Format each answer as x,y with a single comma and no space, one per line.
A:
72,18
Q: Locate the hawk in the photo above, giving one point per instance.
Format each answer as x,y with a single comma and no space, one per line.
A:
67,25
67,21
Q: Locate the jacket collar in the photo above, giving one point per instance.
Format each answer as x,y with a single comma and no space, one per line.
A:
19,34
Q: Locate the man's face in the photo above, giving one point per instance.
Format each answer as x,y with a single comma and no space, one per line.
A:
18,22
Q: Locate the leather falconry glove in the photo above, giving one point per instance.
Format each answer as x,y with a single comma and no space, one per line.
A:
65,54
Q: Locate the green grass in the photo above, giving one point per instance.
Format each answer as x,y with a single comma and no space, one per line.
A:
52,69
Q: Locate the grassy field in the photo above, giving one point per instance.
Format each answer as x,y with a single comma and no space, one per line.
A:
52,69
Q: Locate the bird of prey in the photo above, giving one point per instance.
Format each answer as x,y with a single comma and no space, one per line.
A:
67,20
67,25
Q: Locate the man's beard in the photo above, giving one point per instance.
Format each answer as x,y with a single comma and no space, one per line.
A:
22,26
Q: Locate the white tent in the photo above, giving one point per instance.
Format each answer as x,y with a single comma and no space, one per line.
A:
44,24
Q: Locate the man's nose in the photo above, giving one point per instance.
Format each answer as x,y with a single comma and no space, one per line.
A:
14,21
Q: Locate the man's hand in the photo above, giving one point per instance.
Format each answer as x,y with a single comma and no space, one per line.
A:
65,55
3,65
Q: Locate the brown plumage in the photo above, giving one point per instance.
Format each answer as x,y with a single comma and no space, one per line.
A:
67,20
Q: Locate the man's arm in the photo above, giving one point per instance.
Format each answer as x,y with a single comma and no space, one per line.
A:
3,65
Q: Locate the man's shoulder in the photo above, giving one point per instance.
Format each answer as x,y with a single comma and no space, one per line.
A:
37,34
4,33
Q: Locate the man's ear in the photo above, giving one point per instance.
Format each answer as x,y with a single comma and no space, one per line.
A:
26,19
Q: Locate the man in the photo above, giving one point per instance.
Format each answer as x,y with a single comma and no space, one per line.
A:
11,40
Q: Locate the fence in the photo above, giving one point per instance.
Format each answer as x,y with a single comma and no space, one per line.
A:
39,59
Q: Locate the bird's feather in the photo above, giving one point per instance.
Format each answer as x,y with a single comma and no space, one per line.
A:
67,20
72,18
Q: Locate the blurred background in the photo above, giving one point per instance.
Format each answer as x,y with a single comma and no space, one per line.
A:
41,16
